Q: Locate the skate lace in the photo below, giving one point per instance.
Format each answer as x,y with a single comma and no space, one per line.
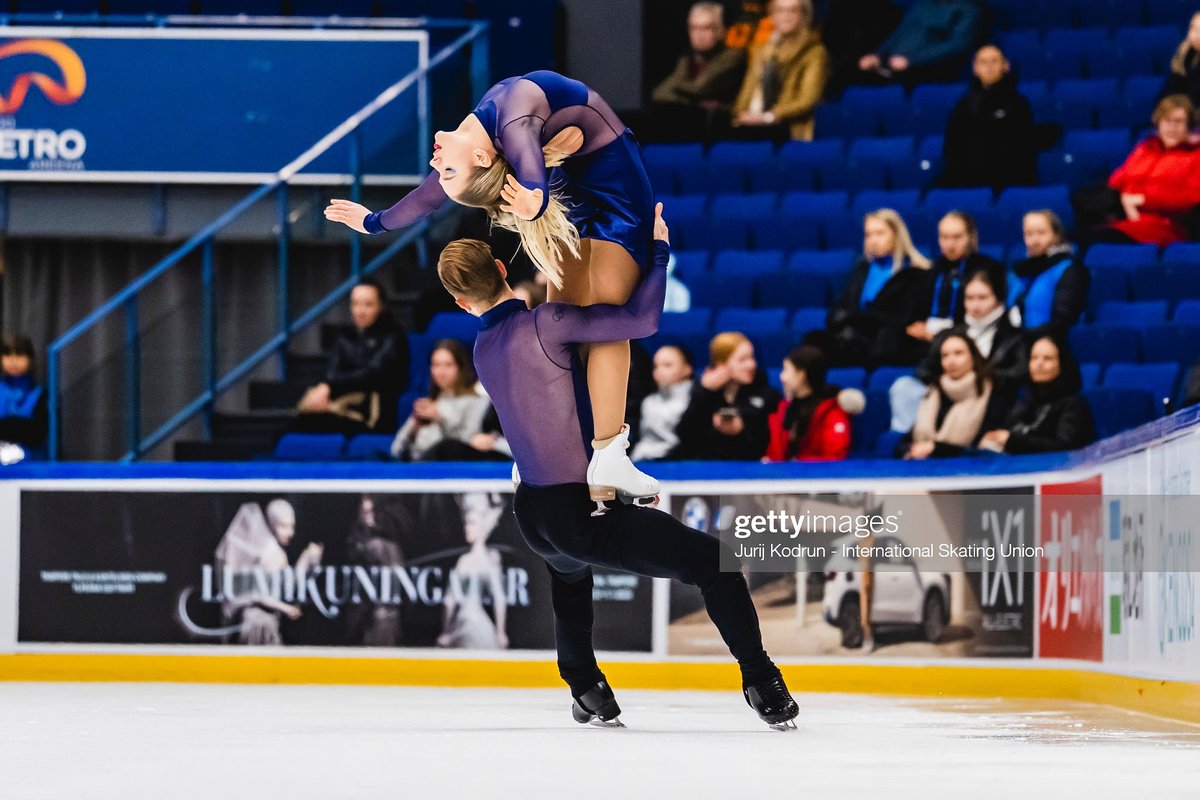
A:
773,691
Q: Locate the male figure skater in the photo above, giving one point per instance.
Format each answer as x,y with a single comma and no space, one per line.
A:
527,361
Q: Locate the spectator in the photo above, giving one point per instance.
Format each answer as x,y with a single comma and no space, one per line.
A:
1048,289
367,373
726,419
448,425
931,44
958,407
662,410
995,337
1159,184
707,78
851,28
678,297
532,292
1184,77
786,76
990,137
1053,416
887,291
23,406
958,241
812,421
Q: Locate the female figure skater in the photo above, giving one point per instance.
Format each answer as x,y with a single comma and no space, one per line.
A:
546,157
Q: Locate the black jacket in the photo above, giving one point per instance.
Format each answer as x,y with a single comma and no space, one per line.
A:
947,269
1187,83
1009,358
1070,295
990,138
700,441
876,334
1052,417
374,360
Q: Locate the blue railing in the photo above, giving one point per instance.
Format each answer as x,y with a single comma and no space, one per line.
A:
127,300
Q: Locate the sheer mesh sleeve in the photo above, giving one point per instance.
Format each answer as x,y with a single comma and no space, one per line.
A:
413,207
522,111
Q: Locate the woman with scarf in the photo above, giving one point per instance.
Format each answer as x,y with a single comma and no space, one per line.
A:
958,408
1053,416
786,76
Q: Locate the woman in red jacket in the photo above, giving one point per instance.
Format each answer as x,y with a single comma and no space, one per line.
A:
1160,181
810,423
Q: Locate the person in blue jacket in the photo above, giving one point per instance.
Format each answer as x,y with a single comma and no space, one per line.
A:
23,407
932,43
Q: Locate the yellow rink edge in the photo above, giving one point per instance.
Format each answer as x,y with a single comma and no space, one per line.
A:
1172,699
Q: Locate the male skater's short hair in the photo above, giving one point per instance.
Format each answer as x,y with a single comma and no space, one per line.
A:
468,271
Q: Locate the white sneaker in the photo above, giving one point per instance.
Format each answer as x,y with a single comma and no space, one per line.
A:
611,473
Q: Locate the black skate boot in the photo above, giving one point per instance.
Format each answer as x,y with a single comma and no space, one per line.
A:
770,698
598,706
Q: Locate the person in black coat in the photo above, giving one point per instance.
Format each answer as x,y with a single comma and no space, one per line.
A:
959,256
726,419
367,373
1053,416
1184,75
990,137
1049,288
888,290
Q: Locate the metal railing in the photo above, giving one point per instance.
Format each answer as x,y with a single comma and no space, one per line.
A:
126,301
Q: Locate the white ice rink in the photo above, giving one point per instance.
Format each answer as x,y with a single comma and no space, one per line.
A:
222,742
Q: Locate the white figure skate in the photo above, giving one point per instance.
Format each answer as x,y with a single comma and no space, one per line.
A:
611,474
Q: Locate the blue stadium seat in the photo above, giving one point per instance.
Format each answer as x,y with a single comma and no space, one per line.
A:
771,347
419,348
1117,410
1123,256
751,321
1170,282
814,204
1105,344
874,104
747,263
1149,50
743,206
754,155
1018,200
903,201
808,319
832,122
1170,13
1089,375
877,150
843,232
1187,312
914,173
720,291
1138,315
1158,378
931,107
847,377
1053,14
310,447
865,428
1109,285
1105,149
996,251
1116,14
682,205
972,201
696,322
666,163
689,263
1178,343
700,233
1024,51
1185,254
834,263
1066,47
453,325
883,377
794,289
369,447
785,232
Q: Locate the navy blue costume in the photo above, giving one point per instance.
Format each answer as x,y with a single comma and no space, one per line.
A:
527,362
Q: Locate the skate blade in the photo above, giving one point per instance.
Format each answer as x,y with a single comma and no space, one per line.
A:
612,723
789,725
601,509
648,501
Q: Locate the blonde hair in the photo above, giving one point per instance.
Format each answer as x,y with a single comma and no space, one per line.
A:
903,247
1175,102
547,239
468,271
723,346
1179,60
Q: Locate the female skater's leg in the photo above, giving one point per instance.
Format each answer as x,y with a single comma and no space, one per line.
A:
614,274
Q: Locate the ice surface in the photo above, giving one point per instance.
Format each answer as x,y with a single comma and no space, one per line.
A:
208,741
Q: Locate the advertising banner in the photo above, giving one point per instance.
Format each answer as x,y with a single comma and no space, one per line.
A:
198,105
297,568
1071,573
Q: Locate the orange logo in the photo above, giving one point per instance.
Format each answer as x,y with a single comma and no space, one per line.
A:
68,91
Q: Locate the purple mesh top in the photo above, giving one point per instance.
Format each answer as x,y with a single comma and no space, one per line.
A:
521,115
528,363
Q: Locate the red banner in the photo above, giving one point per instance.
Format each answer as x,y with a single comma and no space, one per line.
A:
1071,571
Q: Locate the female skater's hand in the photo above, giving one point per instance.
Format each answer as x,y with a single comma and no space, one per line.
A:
519,201
661,232
348,213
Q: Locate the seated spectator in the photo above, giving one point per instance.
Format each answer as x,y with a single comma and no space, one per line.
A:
1159,184
1053,416
662,410
368,371
850,29
707,78
986,322
990,137
23,406
786,77
1184,75
812,421
958,408
448,425
1048,289
726,419
932,43
958,241
887,291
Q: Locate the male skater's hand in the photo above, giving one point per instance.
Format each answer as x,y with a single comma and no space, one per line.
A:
661,233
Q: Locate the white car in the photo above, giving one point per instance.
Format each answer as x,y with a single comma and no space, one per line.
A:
904,596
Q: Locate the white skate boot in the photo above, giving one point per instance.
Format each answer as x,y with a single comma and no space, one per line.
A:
611,473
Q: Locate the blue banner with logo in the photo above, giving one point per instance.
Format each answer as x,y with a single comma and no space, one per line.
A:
205,104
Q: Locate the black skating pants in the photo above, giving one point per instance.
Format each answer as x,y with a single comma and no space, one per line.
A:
557,524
